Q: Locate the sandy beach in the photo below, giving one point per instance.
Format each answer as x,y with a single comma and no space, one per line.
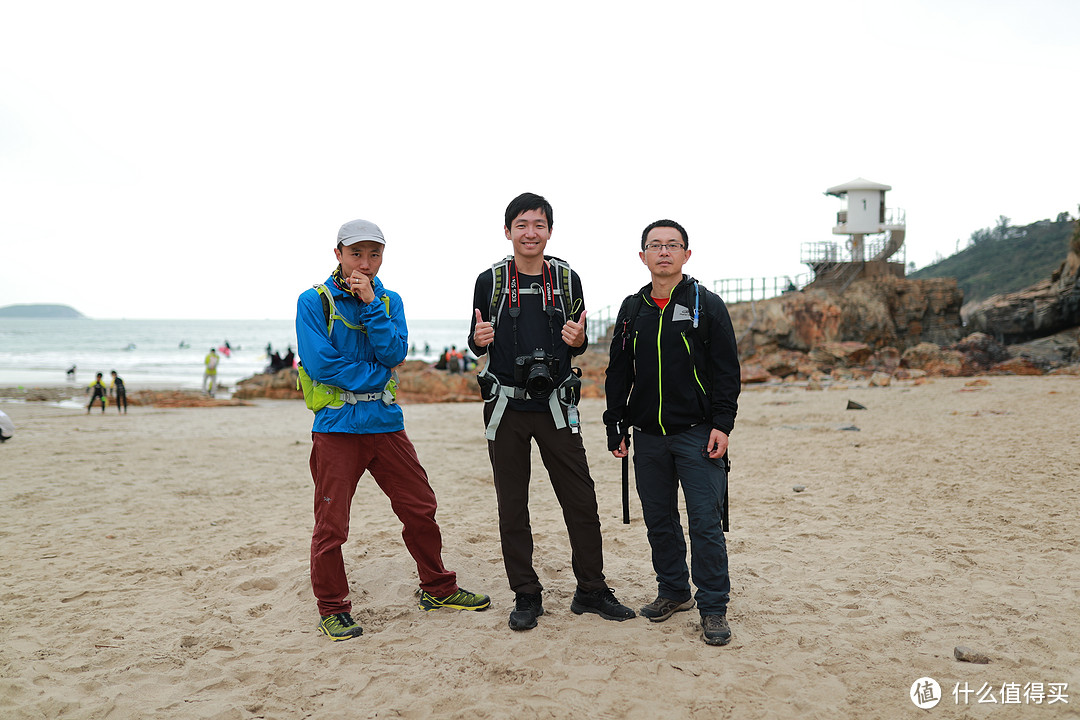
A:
156,565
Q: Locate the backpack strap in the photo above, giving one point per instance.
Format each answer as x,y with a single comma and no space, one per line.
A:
499,289
564,288
633,307
564,281
330,313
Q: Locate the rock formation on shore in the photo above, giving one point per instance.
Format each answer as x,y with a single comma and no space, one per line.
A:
894,326
1040,310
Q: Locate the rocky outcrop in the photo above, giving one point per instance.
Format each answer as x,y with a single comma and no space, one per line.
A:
1042,309
181,399
278,386
418,382
877,313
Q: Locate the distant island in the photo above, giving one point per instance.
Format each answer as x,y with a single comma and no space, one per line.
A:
39,311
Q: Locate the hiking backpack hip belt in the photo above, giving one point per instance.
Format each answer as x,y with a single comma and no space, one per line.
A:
566,393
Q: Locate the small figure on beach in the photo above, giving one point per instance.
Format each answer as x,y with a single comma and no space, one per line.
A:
118,392
71,373
531,329
682,431
7,427
209,379
97,390
349,381
454,360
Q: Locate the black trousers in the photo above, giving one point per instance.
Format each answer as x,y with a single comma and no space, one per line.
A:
563,455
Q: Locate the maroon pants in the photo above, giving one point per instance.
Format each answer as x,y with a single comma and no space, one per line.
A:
337,462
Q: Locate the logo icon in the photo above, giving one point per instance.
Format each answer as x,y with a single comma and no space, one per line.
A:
925,693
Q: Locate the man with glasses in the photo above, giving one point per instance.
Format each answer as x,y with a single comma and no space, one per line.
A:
673,376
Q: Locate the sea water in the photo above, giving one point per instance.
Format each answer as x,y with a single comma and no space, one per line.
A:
160,354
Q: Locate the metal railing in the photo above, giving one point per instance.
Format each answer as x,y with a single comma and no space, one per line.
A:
737,290
821,253
731,290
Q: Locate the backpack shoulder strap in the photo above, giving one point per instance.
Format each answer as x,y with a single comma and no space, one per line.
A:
328,307
330,313
633,307
701,314
498,289
564,280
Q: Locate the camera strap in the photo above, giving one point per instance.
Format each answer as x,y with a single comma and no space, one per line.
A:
547,295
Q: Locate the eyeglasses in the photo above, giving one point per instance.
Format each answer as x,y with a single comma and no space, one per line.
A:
670,247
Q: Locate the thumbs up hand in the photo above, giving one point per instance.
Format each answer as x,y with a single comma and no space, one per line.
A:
483,332
573,333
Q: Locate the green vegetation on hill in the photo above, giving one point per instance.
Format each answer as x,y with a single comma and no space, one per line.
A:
40,311
1005,259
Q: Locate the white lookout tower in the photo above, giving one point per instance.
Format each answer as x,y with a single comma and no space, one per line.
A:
876,235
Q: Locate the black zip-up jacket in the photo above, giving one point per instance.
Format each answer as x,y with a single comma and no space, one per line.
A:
666,376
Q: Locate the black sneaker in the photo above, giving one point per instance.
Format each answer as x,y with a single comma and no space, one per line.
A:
527,607
662,608
603,603
715,630
339,626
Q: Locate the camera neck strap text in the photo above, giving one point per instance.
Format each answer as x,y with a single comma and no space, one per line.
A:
547,293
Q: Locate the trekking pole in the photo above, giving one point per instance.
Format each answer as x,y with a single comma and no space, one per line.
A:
626,490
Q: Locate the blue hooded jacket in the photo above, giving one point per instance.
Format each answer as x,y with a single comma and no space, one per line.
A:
354,360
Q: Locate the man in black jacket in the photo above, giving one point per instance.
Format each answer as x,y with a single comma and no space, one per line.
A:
529,318
674,377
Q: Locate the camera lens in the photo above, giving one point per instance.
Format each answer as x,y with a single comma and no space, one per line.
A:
539,382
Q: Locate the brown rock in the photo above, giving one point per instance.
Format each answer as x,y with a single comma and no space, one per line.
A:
966,654
933,360
880,379
1042,309
842,354
1016,366
876,313
180,398
887,359
754,374
980,352
782,363
278,386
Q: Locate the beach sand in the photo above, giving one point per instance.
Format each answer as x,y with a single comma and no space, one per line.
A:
156,565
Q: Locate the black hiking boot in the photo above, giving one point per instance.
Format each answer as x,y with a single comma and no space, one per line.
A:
603,603
715,630
527,607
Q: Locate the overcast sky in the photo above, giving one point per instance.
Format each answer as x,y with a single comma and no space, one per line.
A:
194,160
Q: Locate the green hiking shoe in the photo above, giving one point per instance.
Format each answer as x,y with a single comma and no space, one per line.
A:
339,626
459,600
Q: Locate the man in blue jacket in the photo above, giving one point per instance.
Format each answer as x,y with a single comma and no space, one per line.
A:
352,334
674,377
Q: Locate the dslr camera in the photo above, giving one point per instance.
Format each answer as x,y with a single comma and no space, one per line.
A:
536,372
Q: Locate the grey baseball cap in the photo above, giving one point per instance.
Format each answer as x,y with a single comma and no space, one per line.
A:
359,230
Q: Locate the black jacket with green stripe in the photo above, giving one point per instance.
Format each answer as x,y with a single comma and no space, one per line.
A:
664,375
